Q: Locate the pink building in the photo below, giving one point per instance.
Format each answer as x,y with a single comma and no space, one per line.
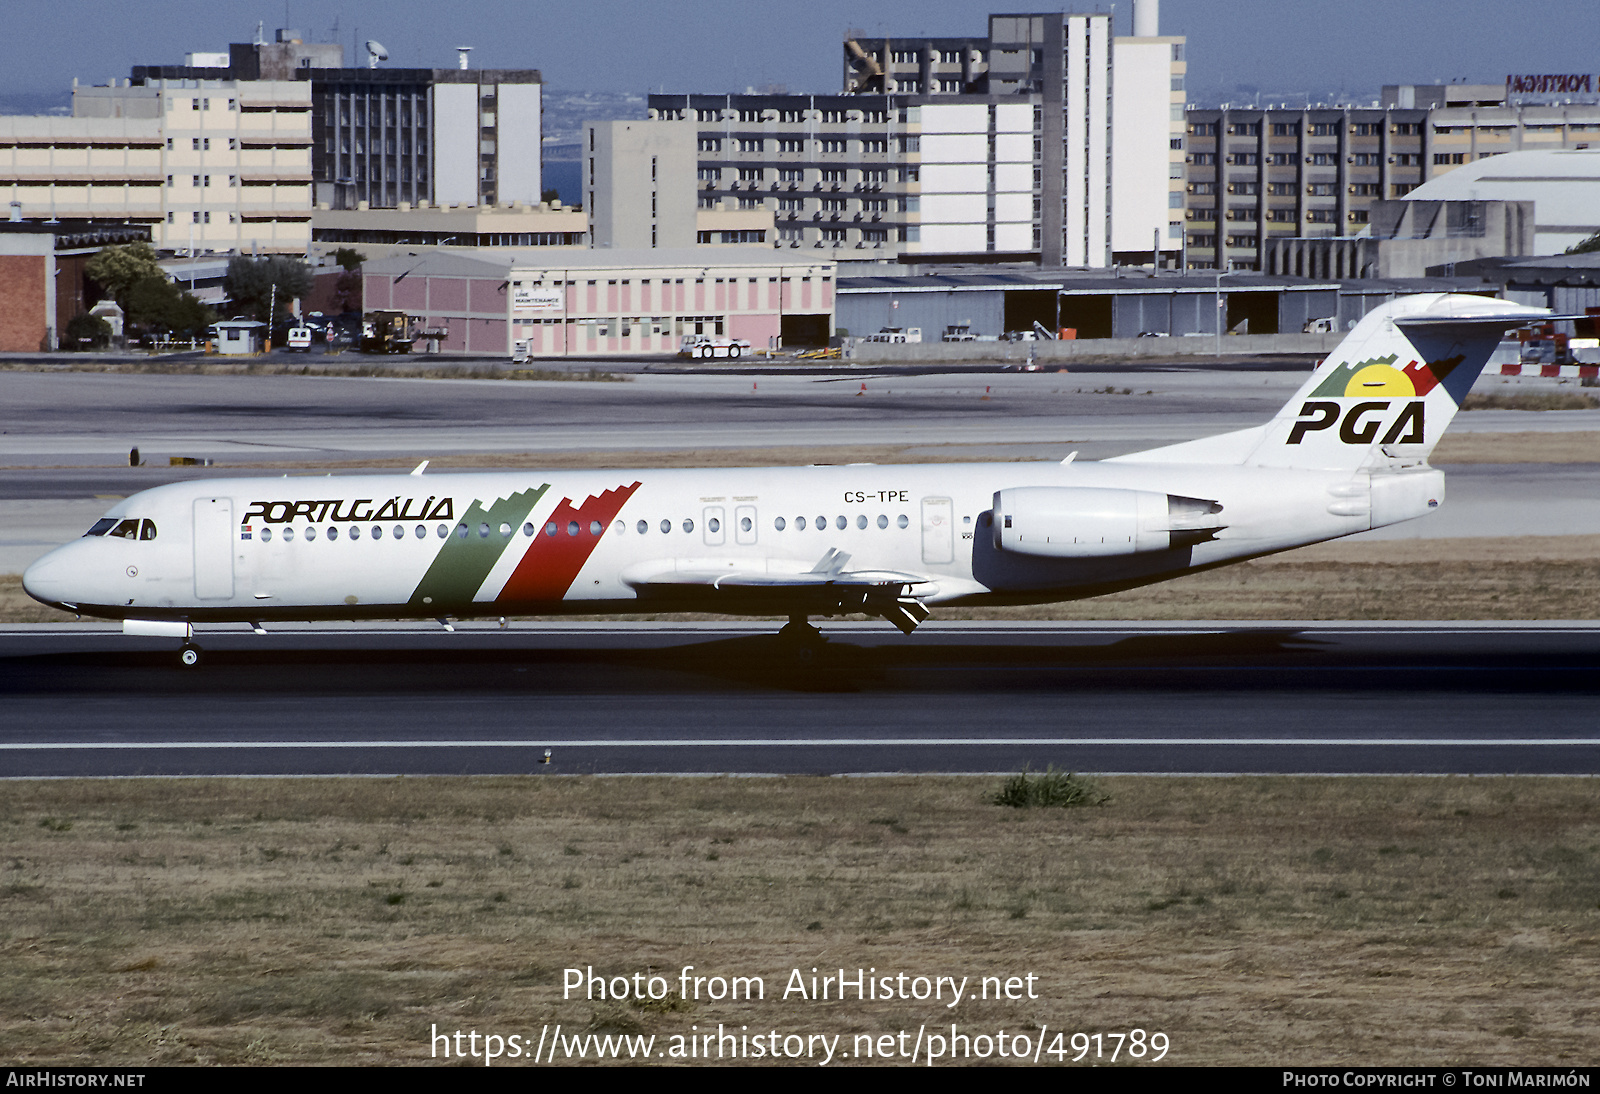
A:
601,302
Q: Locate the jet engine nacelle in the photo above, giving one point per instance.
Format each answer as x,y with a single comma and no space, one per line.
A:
1088,522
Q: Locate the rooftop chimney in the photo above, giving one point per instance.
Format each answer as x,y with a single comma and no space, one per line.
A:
461,55
1146,18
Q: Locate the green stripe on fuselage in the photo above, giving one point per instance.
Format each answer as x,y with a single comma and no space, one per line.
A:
461,565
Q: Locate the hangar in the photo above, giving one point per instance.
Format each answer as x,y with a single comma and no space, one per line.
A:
1091,305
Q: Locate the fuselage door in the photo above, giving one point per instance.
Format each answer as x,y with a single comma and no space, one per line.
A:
744,524
213,548
716,534
938,530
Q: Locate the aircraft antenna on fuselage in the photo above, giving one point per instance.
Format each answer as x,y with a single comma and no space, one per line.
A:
419,468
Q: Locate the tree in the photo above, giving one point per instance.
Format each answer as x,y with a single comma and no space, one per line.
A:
347,291
85,331
349,258
118,269
1587,246
158,304
249,283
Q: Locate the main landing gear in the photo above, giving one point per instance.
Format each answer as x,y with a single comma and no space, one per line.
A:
800,641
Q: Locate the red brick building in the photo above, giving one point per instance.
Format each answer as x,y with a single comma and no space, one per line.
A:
42,280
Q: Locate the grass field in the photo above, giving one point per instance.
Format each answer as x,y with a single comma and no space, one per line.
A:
1254,921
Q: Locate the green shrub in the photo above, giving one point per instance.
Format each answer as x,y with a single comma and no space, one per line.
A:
1061,789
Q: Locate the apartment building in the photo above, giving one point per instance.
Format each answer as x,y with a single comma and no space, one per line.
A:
994,149
211,165
386,136
1259,175
442,136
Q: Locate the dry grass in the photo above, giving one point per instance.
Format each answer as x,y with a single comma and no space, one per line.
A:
1574,447
1530,400
1263,920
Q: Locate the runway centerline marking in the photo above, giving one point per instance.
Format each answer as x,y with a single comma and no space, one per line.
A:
831,742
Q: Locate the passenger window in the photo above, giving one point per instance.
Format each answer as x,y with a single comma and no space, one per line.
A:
550,529
744,524
288,535
861,521
620,527
399,531
594,528
666,526
800,523
422,531
778,524
528,529
147,529
902,521
311,533
883,521
572,527
483,530
377,531
333,531
443,531
505,531
822,524
841,522
355,531
688,526
714,524
266,535
643,527
462,531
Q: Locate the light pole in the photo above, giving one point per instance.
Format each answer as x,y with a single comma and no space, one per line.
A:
1223,267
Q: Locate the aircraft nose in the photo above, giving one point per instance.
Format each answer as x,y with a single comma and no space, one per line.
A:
51,578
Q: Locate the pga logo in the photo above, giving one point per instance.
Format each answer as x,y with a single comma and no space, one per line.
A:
1360,423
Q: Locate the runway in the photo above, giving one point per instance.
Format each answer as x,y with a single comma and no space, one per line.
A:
556,699
617,698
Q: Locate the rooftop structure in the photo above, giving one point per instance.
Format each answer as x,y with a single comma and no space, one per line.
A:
391,135
1564,187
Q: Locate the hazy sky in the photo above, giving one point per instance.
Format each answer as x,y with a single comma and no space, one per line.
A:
726,45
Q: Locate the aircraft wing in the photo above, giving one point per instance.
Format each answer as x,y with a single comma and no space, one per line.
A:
826,588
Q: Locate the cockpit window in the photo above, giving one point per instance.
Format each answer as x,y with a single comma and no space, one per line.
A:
132,528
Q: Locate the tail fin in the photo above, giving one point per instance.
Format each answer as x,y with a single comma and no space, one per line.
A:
1393,385
1388,390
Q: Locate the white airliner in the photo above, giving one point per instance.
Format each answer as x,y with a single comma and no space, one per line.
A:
1349,452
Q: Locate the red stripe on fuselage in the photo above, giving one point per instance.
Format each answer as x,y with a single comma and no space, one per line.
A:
551,563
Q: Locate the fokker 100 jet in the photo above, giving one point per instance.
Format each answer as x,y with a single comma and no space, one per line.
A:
1348,452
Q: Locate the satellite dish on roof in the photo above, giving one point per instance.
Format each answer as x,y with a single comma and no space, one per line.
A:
375,53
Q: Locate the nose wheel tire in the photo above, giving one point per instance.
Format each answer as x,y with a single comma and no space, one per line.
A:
189,656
